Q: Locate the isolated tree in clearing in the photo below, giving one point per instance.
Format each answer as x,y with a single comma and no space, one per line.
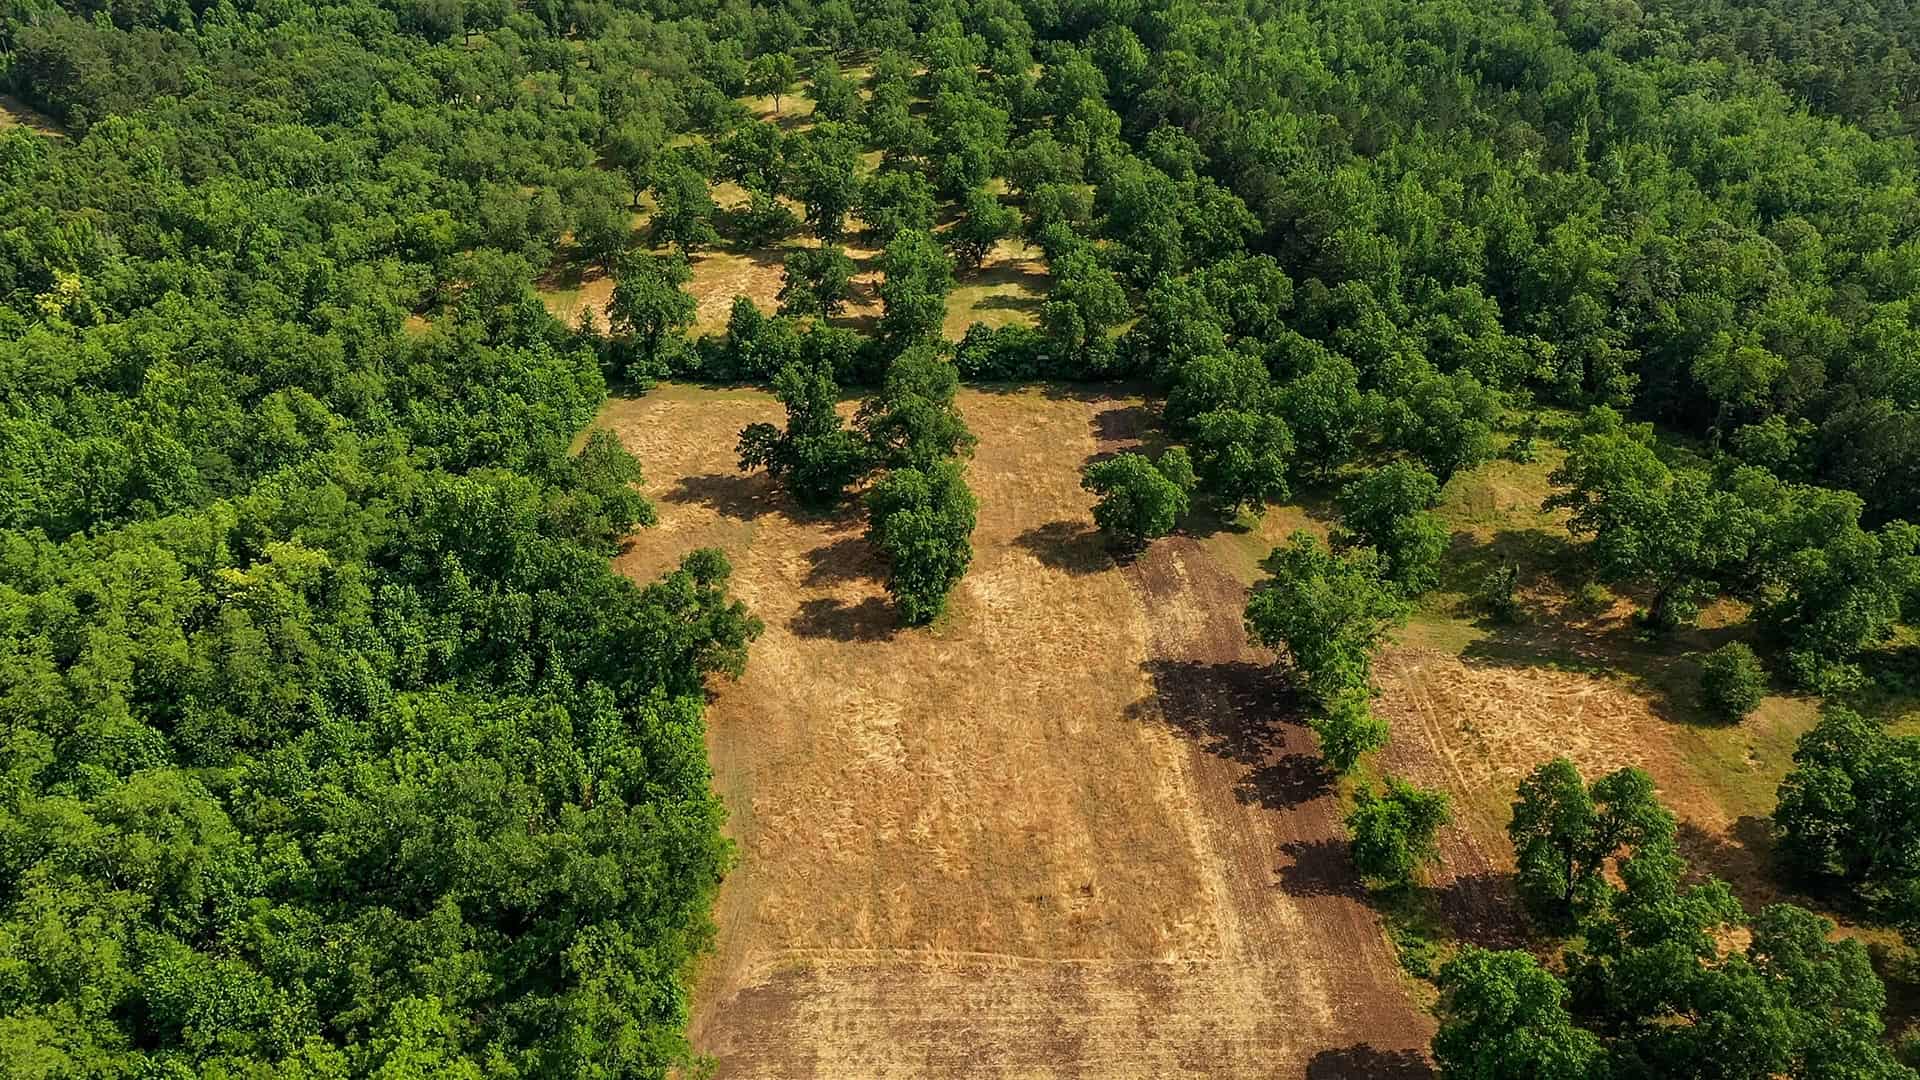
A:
1139,499
922,523
772,74
1565,833
1392,832
1327,611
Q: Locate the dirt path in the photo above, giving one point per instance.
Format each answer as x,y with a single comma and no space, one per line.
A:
1071,831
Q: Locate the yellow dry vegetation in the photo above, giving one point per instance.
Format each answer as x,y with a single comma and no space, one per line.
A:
1075,828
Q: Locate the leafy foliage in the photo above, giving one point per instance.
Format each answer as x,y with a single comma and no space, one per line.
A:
816,281
1732,682
916,277
650,306
1390,510
1565,834
1328,612
816,457
1392,832
1845,811
1658,983
1139,499
922,522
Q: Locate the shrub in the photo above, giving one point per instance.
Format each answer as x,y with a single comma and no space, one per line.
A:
1592,598
1732,682
1495,595
1392,832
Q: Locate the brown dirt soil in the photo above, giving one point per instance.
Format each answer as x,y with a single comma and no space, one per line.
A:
1074,829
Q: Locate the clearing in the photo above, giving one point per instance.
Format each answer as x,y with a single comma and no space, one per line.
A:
1077,828
1073,830
16,113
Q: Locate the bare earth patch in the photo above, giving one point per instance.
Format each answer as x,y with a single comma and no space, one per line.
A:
1075,829
17,113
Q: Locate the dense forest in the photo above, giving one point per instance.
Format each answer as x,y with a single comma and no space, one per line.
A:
335,748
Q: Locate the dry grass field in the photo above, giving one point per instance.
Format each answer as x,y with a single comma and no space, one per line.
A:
1074,829
1007,288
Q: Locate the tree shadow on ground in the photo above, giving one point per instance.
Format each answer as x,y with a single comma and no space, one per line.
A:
1247,714
1561,636
1480,909
1363,1062
1319,868
849,558
1538,555
1126,423
1742,857
1024,286
1285,782
836,620
1665,669
1007,302
742,496
1074,546
1209,518
747,496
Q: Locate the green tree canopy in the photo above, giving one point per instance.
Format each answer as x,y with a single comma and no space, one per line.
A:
1139,499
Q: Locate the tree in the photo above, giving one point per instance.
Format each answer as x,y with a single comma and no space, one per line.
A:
1828,589
634,148
969,139
650,306
1660,990
916,276
1845,812
816,282
815,458
1835,999
1503,1016
771,74
1677,531
765,222
1393,832
1229,380
835,96
1327,611
1564,833
602,224
1139,499
1242,457
1348,728
1325,410
912,421
684,212
825,167
1732,682
1447,422
893,201
753,155
983,223
922,523
1081,309
1390,510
